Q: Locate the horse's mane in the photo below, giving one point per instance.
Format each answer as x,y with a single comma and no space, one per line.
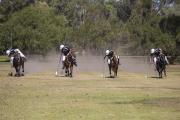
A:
114,59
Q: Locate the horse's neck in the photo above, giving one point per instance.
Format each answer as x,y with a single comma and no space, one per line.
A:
114,59
17,56
68,57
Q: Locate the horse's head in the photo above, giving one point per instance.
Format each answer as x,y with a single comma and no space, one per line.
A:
17,57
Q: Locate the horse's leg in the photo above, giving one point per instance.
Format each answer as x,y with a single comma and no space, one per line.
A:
66,71
23,67
71,71
16,70
19,68
160,73
116,72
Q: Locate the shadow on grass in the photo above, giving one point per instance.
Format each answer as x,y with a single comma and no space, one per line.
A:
110,77
63,76
155,77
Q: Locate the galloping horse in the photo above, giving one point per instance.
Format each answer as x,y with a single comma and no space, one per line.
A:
68,64
18,62
113,65
161,65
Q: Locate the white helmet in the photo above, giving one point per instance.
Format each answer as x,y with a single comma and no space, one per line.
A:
7,52
107,52
152,50
61,47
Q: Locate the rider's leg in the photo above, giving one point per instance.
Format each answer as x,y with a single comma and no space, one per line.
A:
109,61
155,60
109,69
11,61
63,59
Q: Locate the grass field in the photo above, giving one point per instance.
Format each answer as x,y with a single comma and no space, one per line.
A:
88,96
4,59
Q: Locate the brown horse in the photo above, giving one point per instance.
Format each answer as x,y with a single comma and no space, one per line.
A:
68,64
113,65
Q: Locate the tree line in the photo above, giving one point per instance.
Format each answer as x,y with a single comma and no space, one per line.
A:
131,27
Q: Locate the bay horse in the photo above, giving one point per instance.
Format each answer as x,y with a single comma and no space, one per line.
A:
18,63
113,65
68,64
161,65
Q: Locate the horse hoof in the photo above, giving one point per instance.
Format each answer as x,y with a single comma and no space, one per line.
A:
22,74
10,74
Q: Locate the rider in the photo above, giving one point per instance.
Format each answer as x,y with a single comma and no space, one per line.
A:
155,53
11,52
109,54
65,51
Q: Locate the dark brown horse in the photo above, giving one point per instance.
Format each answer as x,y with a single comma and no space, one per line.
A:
68,64
18,63
113,65
161,65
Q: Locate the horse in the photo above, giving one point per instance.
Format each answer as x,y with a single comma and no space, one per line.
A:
18,63
113,65
161,65
68,64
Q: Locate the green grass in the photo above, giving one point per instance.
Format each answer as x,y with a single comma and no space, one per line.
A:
4,59
88,96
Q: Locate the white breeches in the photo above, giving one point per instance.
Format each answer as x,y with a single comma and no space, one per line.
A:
109,61
11,60
63,58
155,59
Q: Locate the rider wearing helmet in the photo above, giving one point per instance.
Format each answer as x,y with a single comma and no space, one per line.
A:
11,52
65,51
109,54
155,53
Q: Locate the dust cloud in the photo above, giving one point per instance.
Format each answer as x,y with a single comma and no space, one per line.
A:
52,62
87,63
